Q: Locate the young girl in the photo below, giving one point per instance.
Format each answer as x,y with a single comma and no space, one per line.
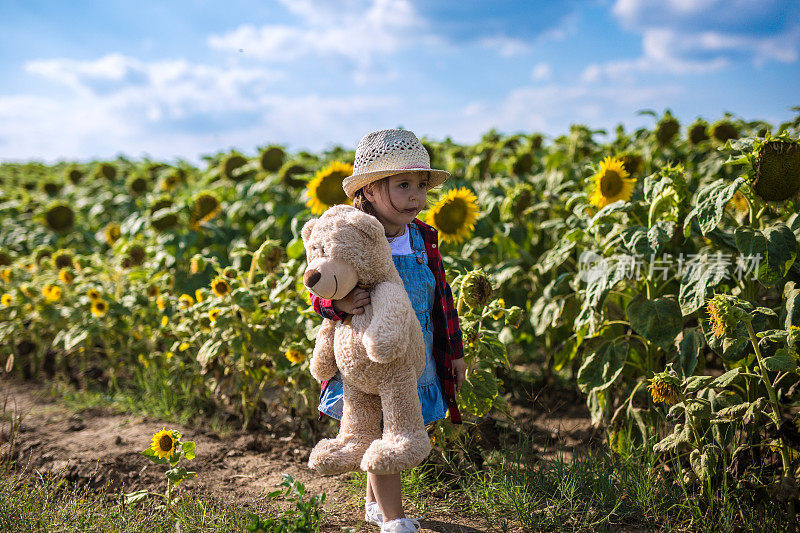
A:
391,178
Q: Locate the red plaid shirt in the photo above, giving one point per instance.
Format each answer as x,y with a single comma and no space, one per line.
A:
447,343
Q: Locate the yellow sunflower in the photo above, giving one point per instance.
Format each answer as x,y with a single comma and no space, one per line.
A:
5,275
213,314
184,346
153,291
93,294
220,287
164,443
186,301
112,232
160,303
164,321
99,307
454,215
6,299
295,356
198,295
611,183
65,276
325,189
739,203
52,292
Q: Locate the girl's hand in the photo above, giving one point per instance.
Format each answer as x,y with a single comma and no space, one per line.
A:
353,303
459,372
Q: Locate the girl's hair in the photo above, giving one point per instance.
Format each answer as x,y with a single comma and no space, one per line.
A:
361,203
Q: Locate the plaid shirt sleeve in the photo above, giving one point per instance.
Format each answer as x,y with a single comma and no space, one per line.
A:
325,308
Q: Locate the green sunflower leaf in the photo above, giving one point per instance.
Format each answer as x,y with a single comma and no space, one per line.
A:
602,367
782,361
188,449
659,320
711,202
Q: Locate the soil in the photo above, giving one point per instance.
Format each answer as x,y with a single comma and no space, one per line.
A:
99,447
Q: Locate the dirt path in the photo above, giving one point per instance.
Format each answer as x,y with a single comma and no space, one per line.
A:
97,447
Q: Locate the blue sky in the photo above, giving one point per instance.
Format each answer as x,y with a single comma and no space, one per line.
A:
92,79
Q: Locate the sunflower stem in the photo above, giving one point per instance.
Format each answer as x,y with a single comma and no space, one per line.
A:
776,414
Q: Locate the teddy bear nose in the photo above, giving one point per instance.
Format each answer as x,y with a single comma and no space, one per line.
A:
311,277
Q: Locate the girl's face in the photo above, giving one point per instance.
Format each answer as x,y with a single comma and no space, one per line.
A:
401,201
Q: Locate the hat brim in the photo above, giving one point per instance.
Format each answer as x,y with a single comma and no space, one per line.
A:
352,183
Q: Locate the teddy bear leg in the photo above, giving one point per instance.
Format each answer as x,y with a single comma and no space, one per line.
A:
360,425
405,443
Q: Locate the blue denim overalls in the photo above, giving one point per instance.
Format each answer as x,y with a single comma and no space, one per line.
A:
420,286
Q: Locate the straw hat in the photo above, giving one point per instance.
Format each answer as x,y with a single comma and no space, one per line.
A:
388,152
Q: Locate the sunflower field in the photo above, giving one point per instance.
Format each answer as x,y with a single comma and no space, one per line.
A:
655,270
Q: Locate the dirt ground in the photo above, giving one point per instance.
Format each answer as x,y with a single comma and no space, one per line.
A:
100,447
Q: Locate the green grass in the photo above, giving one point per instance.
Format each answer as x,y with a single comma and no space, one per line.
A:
50,503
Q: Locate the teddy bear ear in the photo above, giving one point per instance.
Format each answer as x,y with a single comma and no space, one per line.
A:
305,233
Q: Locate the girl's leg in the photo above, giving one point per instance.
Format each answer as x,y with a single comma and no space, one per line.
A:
386,489
370,492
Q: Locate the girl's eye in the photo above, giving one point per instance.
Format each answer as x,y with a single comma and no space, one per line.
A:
404,185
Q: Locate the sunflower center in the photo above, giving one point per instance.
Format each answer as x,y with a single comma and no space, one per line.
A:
778,171
330,191
165,443
610,183
451,216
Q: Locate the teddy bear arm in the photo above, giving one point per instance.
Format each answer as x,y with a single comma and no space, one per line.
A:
388,333
323,361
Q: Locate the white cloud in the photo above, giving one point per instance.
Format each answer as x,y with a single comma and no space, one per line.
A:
692,36
505,46
542,71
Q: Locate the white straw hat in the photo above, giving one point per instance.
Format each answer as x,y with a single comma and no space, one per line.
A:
388,152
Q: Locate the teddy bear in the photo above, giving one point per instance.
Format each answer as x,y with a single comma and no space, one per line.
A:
379,353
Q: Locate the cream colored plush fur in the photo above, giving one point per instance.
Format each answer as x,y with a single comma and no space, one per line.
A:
379,353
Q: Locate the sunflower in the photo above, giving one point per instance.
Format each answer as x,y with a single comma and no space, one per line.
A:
499,306
739,203
164,321
663,391
164,443
454,215
184,346
295,356
112,232
325,189
198,295
52,292
160,303
220,287
724,314
213,314
5,275
777,171
611,183
6,299
99,307
153,291
186,301
65,276
93,294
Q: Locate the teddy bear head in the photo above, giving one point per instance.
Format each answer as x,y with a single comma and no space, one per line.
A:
345,247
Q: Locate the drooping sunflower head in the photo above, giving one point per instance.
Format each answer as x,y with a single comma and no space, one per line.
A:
514,316
74,174
197,264
230,272
51,292
59,217
52,188
162,202
172,179
65,276
205,206
724,130
724,314
325,189
153,291
220,286
164,220
518,200
522,163
665,388
611,183
164,444
289,173
106,171
295,356
230,167
112,232
186,301
62,258
271,159
698,132
476,289
99,307
135,254
667,128
777,170
5,258
454,215
632,162
137,184
268,256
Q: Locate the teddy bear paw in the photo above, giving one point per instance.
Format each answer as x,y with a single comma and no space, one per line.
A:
394,453
336,456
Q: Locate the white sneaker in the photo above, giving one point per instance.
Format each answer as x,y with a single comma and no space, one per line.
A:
372,513
401,525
